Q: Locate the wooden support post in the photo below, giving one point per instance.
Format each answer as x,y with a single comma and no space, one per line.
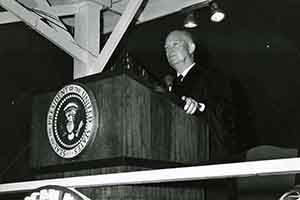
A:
87,36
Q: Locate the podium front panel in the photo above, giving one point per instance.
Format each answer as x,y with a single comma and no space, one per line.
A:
134,123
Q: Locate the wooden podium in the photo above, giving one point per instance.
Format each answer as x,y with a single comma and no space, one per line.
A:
137,129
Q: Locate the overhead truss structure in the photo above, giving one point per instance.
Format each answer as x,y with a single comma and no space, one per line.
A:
45,17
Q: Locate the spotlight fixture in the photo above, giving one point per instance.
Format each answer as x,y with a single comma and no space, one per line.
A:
217,14
190,21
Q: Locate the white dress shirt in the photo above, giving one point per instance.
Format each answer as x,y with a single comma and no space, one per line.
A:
184,73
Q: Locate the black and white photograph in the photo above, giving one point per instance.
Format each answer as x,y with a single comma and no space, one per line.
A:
149,100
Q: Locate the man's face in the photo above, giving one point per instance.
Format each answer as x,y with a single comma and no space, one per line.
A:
176,49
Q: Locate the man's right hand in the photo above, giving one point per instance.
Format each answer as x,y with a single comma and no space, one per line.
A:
191,105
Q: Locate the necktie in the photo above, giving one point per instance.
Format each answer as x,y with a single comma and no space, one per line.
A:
177,84
179,79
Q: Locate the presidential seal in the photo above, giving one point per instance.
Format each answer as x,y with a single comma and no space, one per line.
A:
72,120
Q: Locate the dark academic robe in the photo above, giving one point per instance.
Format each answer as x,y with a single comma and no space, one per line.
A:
211,88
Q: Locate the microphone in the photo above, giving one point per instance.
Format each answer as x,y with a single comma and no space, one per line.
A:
168,79
201,107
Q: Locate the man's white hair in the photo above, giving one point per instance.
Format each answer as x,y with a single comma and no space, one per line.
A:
185,35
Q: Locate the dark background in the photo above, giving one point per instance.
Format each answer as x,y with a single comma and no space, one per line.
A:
257,44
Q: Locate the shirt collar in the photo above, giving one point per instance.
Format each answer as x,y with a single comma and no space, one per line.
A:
184,73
